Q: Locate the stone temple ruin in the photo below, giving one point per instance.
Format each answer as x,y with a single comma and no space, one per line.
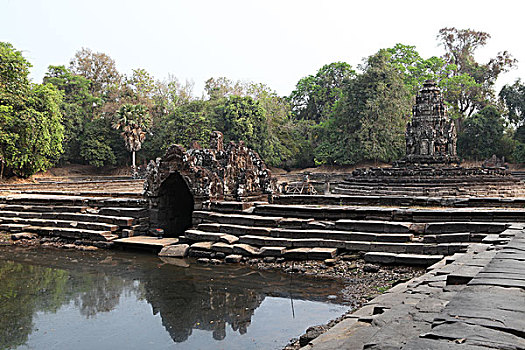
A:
431,166
467,225
430,135
183,180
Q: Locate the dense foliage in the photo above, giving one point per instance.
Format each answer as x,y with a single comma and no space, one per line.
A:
338,115
31,132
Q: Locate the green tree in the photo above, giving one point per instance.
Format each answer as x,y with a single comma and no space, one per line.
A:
370,119
315,95
77,108
95,143
414,68
134,120
513,97
243,119
98,68
30,119
473,82
483,135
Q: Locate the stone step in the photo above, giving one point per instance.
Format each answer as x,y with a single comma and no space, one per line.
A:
236,230
473,227
382,200
82,192
449,237
121,221
202,236
145,242
402,259
230,206
63,232
377,226
205,249
360,246
124,211
238,219
67,200
96,226
342,235
240,230
43,208
418,215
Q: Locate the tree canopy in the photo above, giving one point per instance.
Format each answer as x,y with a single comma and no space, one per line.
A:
31,132
336,115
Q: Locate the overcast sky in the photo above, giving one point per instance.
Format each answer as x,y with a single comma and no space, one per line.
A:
275,42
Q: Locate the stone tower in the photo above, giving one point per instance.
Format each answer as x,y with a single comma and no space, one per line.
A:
430,135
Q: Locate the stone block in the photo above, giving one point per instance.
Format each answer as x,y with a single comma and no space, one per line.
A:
245,249
233,259
297,253
175,251
322,253
272,251
230,239
380,257
201,246
388,247
357,246
222,248
196,235
417,259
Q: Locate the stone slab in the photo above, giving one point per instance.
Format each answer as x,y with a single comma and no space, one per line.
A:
175,251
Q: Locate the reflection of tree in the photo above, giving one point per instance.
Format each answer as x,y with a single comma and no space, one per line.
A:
213,298
198,297
99,293
27,289
24,289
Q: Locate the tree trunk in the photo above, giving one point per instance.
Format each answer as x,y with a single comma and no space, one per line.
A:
133,167
2,171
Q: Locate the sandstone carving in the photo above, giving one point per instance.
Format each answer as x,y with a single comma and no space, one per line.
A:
431,135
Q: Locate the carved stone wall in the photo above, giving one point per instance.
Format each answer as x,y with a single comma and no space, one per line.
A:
430,135
231,172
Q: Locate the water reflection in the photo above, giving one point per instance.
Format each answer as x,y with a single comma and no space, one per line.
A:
220,300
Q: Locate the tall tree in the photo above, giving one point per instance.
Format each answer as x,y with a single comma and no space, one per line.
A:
470,85
483,135
415,68
77,108
513,96
134,120
98,68
31,133
369,121
315,95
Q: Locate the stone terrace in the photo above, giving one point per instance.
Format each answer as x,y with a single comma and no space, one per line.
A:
382,234
84,211
471,300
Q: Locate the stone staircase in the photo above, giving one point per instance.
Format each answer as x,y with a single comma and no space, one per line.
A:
98,186
382,235
85,212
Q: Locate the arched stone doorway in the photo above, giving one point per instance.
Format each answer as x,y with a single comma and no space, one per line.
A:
175,205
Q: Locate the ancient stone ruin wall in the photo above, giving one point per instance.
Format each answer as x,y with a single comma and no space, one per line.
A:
184,178
430,135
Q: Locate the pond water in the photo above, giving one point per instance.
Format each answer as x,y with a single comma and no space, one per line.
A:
52,299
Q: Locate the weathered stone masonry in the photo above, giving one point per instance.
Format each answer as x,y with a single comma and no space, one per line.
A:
430,135
183,180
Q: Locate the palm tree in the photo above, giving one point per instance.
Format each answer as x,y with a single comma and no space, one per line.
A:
134,121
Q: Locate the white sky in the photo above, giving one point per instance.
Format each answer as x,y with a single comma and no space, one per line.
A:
268,41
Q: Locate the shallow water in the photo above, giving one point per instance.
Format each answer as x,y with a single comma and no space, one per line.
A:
53,299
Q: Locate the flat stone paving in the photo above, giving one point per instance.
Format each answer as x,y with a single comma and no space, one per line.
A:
146,241
473,300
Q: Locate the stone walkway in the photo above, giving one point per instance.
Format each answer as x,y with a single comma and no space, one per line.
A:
473,300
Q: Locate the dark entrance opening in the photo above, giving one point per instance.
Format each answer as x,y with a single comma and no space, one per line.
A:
175,206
